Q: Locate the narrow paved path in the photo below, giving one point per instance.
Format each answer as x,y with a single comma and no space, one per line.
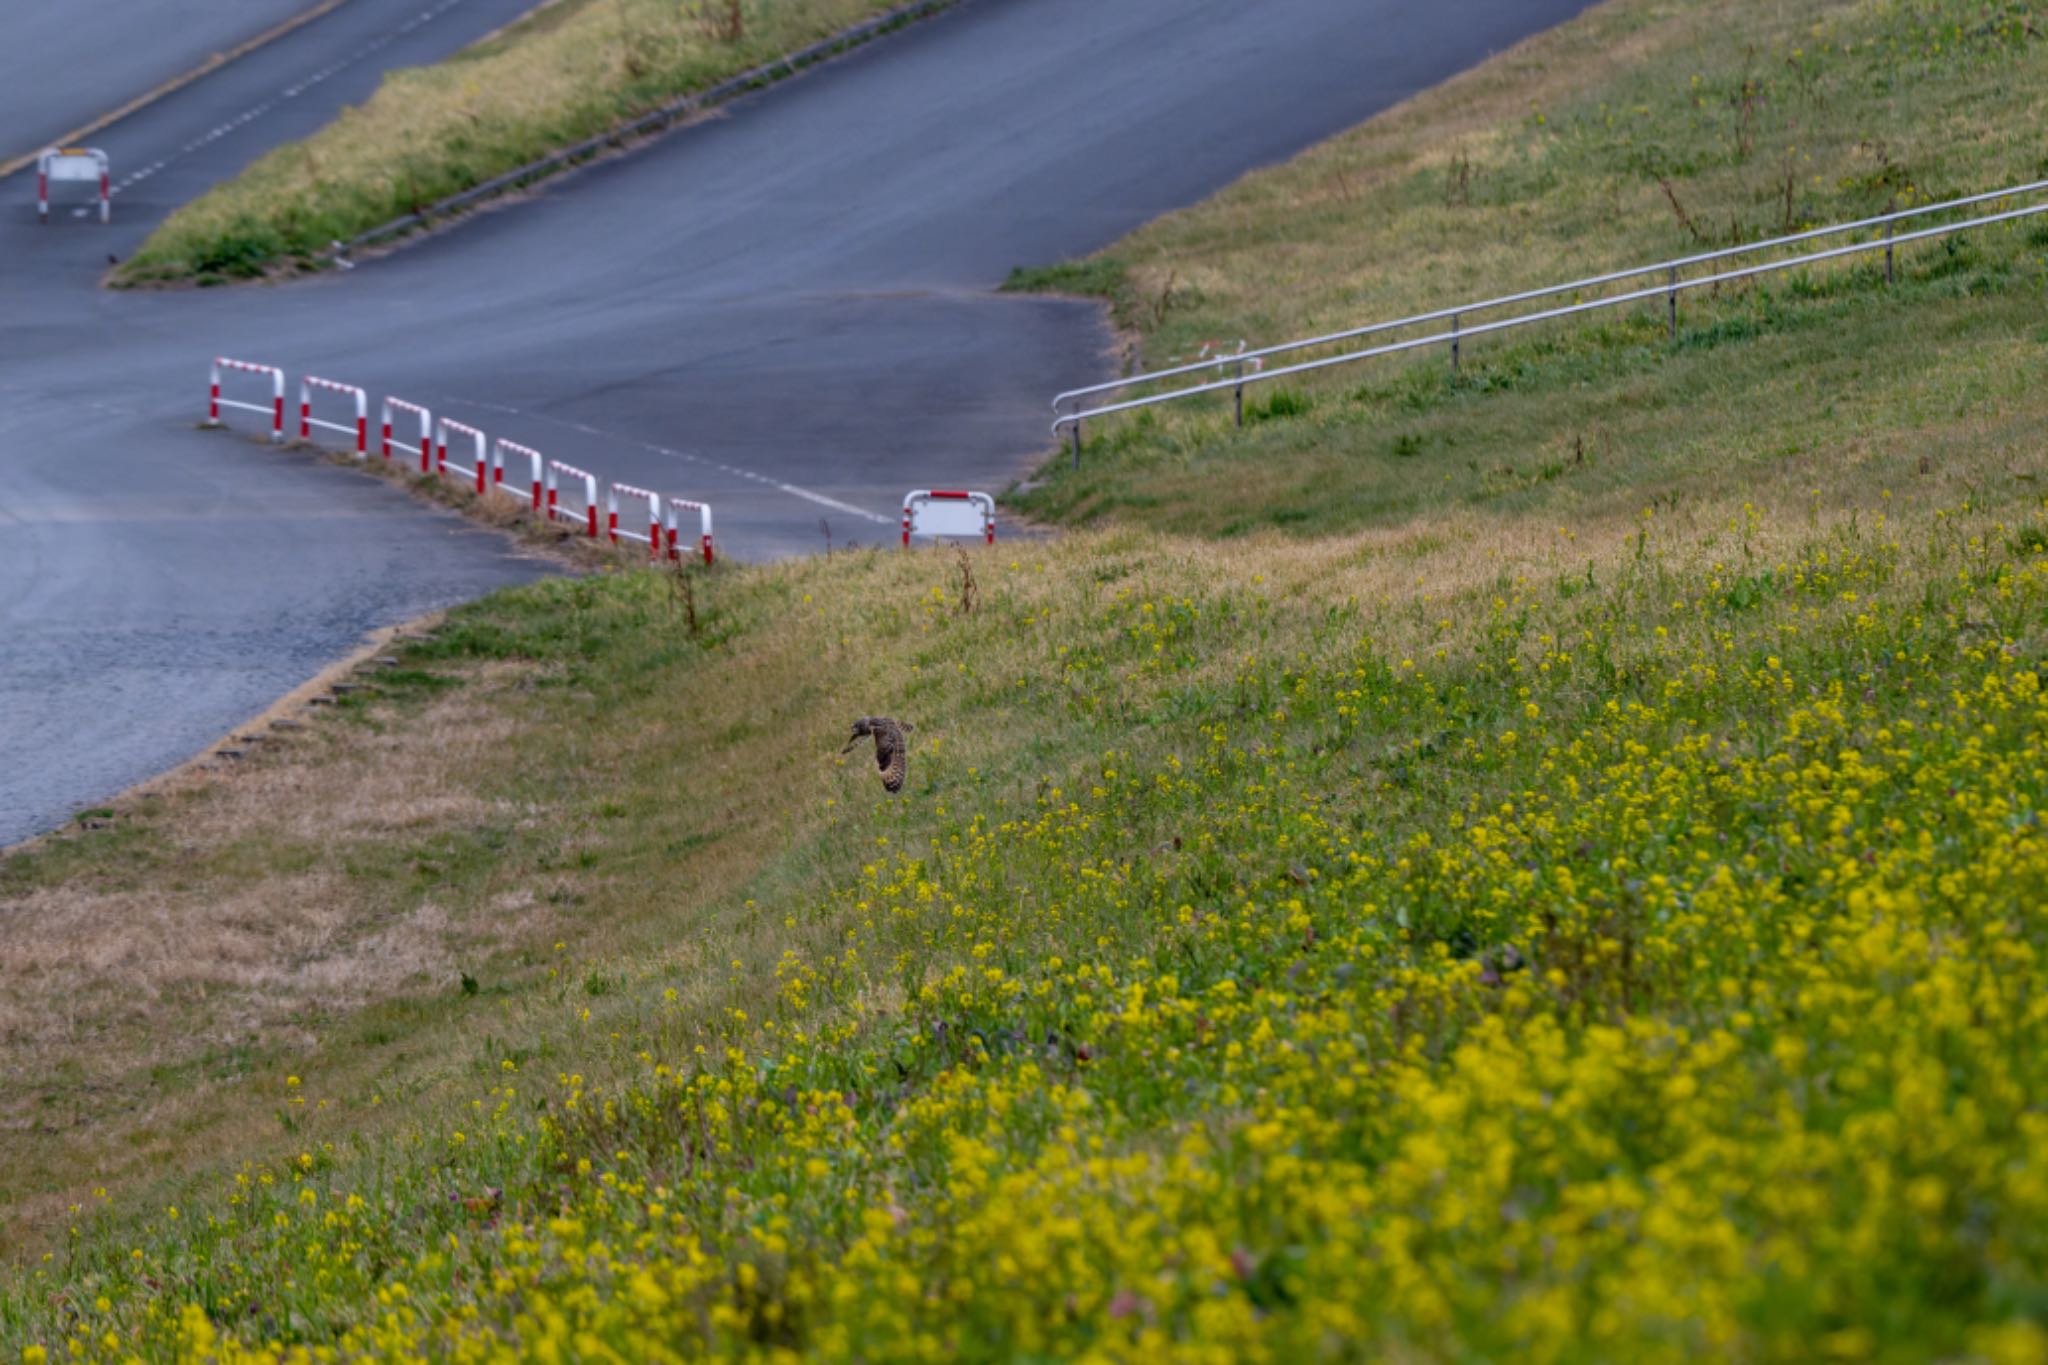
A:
786,311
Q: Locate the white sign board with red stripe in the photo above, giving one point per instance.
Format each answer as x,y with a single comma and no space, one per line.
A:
72,163
949,512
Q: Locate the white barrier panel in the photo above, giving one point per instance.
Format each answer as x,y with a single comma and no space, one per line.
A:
72,163
503,447
611,508
274,408
703,511
554,489
307,421
426,421
948,512
479,462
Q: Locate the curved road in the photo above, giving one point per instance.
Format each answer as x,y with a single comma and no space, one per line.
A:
785,311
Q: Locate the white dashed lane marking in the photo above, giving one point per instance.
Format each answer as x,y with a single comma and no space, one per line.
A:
325,73
793,490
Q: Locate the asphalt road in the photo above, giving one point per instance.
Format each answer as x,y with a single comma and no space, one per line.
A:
63,65
786,311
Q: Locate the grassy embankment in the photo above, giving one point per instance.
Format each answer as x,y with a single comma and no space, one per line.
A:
570,71
1522,926
1645,132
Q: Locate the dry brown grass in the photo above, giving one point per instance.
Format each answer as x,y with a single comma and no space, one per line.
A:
246,931
312,908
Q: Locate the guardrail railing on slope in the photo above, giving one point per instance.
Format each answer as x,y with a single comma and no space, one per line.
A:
1250,364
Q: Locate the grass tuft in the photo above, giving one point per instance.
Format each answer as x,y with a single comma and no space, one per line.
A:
1097,277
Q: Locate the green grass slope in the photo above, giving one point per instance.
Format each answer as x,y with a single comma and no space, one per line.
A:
1640,133
1629,947
1594,916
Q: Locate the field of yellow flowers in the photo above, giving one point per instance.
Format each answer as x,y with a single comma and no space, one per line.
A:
1637,960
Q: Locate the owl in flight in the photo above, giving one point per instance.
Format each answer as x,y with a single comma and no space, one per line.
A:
889,747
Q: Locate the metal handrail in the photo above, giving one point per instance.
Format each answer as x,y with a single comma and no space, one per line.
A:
1670,289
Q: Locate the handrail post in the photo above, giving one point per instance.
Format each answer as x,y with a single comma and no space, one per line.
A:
1672,299
1888,278
1454,345
1240,395
1077,445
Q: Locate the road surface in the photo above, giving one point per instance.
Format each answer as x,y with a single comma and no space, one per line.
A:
786,311
63,65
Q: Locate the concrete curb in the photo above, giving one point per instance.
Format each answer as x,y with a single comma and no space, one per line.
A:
655,121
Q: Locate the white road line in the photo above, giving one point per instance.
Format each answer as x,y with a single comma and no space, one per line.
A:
327,72
794,490
823,501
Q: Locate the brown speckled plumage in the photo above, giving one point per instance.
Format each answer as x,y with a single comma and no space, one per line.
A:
889,747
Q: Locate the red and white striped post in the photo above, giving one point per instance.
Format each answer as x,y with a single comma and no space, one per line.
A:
307,421
274,409
703,511
555,470
478,444
503,447
426,421
653,536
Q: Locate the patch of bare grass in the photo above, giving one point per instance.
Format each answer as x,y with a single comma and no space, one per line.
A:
231,916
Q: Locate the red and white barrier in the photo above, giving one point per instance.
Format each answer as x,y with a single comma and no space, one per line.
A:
307,421
274,408
703,511
554,491
948,512
547,478
72,163
479,467
611,508
504,447
426,421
